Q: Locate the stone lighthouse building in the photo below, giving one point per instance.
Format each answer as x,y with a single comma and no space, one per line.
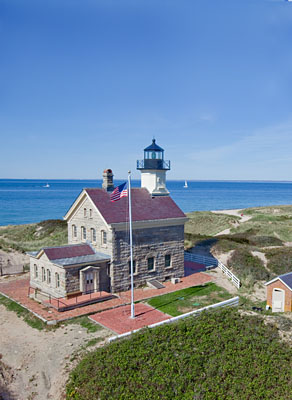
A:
97,257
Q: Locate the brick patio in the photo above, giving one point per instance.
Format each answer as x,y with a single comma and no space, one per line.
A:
119,319
17,290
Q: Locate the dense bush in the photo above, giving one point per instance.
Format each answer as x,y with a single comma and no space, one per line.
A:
247,267
218,355
280,260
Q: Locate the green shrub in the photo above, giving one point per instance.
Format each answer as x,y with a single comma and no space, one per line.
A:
280,260
218,355
247,267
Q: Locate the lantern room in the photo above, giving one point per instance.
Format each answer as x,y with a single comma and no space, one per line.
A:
153,170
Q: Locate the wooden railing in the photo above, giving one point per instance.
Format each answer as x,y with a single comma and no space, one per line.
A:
230,275
212,261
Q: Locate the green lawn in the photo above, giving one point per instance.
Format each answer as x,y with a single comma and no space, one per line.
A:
189,299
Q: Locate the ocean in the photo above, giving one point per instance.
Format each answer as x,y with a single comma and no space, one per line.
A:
28,201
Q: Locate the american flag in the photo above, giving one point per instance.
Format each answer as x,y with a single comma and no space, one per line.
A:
119,192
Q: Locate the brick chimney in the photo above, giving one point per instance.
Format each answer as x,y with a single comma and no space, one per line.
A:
108,183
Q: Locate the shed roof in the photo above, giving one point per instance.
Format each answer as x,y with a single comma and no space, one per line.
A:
144,206
285,278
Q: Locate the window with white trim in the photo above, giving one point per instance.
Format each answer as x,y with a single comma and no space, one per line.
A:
74,231
167,260
43,274
35,271
93,235
90,213
103,237
48,276
84,212
57,279
150,263
134,267
83,232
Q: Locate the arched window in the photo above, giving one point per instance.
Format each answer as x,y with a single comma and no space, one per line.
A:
103,238
90,213
35,271
74,231
57,279
48,276
43,274
83,232
85,212
93,235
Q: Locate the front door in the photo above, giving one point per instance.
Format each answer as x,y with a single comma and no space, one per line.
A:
89,284
278,300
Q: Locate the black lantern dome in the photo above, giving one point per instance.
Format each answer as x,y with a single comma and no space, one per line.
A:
153,158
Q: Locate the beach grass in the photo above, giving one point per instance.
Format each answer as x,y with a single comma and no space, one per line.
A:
33,236
208,223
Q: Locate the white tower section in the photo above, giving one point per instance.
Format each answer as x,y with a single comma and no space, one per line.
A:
153,170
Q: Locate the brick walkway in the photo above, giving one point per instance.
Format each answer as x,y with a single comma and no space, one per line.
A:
119,319
18,289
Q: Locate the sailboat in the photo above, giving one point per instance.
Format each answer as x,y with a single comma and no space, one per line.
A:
47,185
186,184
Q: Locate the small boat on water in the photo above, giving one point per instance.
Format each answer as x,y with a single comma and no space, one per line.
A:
186,184
47,185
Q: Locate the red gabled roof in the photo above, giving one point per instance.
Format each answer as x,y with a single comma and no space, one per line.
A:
144,206
70,251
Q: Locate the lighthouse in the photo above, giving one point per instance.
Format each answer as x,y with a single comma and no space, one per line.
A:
153,170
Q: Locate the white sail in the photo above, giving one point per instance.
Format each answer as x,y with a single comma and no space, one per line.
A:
186,184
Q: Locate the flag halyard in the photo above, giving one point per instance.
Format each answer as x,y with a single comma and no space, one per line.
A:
119,192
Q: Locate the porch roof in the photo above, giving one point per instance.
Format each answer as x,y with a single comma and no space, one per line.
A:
82,259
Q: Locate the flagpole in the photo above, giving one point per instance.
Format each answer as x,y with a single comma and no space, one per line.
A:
131,247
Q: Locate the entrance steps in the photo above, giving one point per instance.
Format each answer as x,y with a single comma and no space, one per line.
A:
155,284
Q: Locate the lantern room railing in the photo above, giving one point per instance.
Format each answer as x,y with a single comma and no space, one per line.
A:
153,164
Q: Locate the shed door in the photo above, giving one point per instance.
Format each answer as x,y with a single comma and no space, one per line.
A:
89,285
278,300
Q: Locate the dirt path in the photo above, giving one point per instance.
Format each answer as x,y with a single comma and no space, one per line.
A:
237,213
39,359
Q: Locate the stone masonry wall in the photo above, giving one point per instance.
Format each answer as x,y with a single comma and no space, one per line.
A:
45,286
150,242
80,219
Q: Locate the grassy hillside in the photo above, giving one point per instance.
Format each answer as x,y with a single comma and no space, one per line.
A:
267,232
208,223
33,236
218,355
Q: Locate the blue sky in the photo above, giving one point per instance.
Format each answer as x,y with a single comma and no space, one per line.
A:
86,84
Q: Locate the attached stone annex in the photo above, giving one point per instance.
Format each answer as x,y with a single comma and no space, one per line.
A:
97,257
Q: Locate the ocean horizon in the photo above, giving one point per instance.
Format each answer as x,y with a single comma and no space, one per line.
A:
24,201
